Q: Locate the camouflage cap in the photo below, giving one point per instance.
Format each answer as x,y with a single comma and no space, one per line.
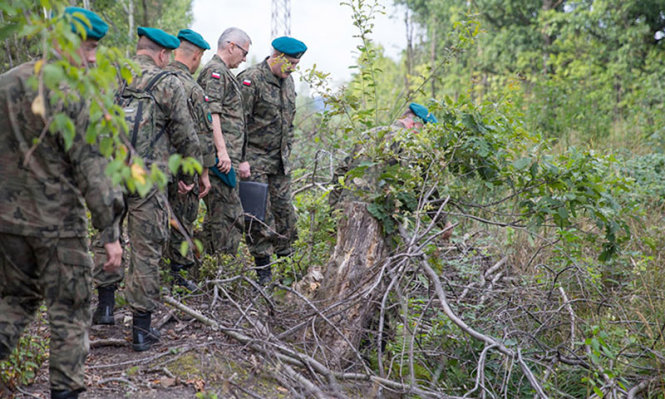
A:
194,38
423,113
87,21
160,37
289,46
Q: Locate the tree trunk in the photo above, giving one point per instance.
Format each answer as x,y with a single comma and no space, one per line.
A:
350,282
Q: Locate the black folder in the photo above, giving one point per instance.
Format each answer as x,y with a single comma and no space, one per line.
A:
254,197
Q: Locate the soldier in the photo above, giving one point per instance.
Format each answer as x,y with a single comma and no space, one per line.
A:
414,118
43,224
147,219
224,221
270,105
185,205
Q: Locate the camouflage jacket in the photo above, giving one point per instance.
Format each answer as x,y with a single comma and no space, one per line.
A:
197,102
381,139
42,196
171,114
270,105
223,90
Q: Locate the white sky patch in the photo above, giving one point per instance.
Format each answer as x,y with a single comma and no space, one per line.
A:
324,26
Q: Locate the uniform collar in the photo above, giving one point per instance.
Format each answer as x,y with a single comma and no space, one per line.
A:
219,60
146,59
180,66
270,77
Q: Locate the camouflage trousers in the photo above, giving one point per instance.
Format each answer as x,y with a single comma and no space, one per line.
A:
223,223
278,232
185,209
57,270
147,229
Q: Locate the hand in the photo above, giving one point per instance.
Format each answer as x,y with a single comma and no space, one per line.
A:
184,188
224,163
244,170
204,183
113,256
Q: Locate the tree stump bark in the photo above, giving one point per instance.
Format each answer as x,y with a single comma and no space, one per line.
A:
349,275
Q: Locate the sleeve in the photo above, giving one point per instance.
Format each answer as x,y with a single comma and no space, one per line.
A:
105,202
249,94
182,129
202,117
214,87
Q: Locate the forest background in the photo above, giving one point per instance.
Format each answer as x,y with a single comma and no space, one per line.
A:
548,159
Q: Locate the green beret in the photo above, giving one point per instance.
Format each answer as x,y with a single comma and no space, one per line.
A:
289,46
160,37
194,38
95,28
423,113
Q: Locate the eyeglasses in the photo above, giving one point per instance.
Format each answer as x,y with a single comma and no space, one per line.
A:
244,52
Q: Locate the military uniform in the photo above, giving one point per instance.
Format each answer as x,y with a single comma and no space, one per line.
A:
147,219
43,226
186,206
223,224
270,106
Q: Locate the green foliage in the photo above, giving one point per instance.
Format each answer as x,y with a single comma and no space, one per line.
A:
25,360
585,67
60,71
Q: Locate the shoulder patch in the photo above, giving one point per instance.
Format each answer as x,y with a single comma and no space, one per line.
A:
247,82
209,117
215,75
206,98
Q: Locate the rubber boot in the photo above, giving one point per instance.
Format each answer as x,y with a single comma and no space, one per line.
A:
142,334
4,353
263,272
179,279
57,394
104,312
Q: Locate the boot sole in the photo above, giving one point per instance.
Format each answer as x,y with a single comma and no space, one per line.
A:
141,347
104,320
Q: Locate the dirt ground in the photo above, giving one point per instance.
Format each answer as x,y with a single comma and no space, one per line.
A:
190,361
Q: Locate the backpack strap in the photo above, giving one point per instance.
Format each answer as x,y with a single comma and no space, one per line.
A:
139,113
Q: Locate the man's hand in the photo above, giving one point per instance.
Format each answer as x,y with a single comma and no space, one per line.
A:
113,256
204,183
224,163
244,170
184,188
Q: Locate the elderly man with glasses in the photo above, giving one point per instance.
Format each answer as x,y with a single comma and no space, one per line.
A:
224,221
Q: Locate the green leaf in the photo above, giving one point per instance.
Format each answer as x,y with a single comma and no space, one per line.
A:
174,163
184,246
53,75
522,163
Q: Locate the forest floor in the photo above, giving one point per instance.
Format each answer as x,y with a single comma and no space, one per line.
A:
191,360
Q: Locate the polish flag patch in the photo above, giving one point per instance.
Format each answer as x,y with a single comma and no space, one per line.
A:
206,99
247,82
215,75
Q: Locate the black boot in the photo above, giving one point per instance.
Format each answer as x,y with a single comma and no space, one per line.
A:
104,312
56,394
143,335
179,279
263,272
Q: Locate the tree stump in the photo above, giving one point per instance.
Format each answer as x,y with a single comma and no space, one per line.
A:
349,276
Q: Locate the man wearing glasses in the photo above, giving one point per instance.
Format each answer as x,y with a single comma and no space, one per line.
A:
224,221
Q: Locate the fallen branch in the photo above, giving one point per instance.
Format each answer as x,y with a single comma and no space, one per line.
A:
294,358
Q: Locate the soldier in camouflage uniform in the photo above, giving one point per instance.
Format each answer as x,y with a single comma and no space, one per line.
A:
147,218
185,205
43,224
270,105
224,222
383,138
